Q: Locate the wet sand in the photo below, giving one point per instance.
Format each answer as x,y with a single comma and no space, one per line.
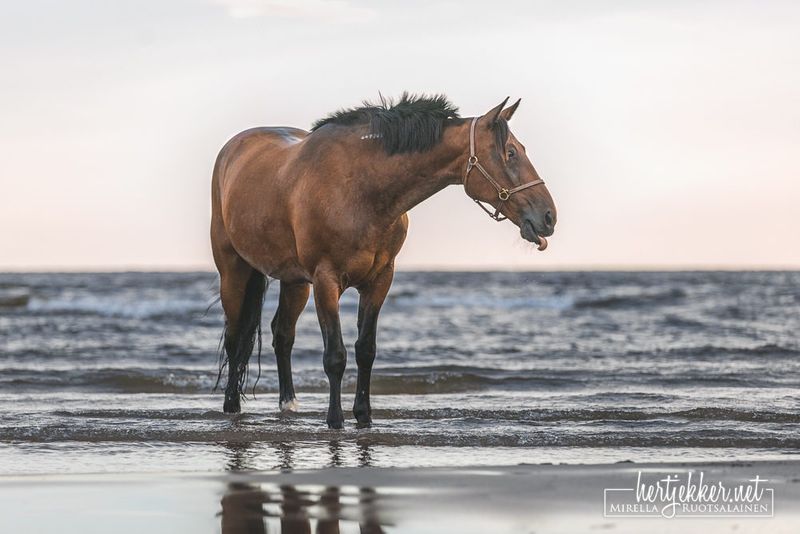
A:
524,498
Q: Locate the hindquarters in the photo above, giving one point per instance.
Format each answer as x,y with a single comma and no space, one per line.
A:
242,288
251,198
244,173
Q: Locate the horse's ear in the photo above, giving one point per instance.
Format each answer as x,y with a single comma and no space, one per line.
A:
494,113
509,111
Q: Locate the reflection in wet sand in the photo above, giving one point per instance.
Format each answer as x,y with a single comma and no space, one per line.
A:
285,455
335,450
242,510
364,455
240,457
251,508
288,509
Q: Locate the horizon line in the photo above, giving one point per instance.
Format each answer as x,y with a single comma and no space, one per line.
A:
420,268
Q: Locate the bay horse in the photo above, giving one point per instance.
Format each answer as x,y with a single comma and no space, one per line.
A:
329,208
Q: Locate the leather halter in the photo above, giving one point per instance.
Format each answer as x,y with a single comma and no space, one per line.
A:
503,193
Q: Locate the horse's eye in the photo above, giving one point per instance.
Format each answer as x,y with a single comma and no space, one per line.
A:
512,152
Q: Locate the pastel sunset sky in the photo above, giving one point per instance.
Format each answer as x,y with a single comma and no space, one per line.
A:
668,131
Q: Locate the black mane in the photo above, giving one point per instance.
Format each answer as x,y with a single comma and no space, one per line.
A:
412,124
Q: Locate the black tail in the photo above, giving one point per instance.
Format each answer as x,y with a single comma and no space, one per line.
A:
235,350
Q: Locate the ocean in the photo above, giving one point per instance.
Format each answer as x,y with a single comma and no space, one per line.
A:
113,372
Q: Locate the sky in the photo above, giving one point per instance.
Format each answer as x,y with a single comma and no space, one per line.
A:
667,131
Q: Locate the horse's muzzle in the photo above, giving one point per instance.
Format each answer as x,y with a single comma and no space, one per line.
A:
535,232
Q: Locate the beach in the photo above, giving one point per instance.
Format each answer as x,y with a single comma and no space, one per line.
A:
523,498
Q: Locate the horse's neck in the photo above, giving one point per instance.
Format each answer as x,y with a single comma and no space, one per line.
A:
413,178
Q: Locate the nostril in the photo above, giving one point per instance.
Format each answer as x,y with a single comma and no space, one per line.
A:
548,219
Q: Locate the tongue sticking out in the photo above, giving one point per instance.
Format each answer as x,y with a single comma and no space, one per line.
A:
542,243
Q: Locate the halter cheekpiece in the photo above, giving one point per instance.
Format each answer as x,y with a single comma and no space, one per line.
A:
503,193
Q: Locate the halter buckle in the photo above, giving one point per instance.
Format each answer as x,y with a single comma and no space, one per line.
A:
503,194
472,160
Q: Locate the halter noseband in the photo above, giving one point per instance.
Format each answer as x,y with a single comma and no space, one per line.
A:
502,193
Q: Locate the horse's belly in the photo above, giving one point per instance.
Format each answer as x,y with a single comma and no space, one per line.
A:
269,248
284,268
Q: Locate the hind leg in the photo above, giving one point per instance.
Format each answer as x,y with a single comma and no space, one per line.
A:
241,290
233,291
292,301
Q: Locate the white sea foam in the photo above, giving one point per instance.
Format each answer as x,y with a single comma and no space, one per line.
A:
117,306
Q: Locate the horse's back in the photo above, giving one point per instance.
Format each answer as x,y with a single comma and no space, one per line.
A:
289,202
254,149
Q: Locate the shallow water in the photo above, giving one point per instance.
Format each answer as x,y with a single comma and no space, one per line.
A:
104,372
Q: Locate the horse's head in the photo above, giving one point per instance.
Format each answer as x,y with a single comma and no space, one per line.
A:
500,174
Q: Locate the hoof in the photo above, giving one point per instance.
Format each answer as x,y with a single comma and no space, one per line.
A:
290,405
363,414
335,418
232,404
336,424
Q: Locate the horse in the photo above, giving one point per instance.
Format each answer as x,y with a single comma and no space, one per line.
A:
328,207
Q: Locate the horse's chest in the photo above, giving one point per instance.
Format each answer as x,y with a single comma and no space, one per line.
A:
381,248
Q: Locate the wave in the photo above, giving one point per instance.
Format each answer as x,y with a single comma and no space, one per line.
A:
476,437
641,299
487,301
119,307
170,306
11,298
521,416
172,414
678,321
118,380
397,380
592,415
453,379
711,350
140,380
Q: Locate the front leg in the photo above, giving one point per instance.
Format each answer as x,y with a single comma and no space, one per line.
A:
369,306
327,292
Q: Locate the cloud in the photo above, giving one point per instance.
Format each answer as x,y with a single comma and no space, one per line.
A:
331,10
